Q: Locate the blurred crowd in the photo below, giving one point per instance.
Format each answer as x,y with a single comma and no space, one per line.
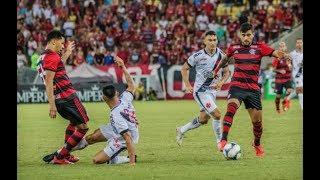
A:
145,31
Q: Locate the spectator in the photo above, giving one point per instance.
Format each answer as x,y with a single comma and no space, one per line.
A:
108,58
140,92
90,57
32,46
79,58
202,21
21,59
135,57
34,59
68,28
152,94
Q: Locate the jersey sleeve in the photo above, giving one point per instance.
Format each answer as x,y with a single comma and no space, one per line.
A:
119,123
275,62
266,50
230,51
192,60
126,96
50,62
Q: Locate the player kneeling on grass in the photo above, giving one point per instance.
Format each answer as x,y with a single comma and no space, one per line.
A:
206,86
122,131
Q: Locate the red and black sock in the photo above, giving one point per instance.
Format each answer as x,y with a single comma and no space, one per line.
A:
69,131
257,132
73,140
228,119
277,101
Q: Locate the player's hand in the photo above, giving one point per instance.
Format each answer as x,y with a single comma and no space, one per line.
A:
189,89
70,47
282,71
119,61
217,86
53,112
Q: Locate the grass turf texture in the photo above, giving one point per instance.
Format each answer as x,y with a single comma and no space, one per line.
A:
159,157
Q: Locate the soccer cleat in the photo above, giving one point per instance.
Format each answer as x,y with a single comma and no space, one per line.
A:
278,111
285,105
259,150
72,158
48,158
222,144
60,161
179,136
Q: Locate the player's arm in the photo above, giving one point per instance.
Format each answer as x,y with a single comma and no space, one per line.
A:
69,48
225,76
127,76
49,91
130,147
185,77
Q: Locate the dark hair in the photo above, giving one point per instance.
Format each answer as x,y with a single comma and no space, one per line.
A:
54,34
109,91
209,33
299,38
245,27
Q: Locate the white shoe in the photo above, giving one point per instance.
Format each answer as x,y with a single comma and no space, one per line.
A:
179,136
119,160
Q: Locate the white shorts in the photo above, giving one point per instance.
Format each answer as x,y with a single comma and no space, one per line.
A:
115,142
298,81
206,101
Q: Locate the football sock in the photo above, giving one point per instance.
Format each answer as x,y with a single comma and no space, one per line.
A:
292,95
81,145
73,140
257,132
119,160
69,131
190,125
228,119
300,96
277,101
216,127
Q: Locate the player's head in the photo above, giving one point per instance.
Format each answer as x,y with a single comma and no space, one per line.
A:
282,46
210,40
56,40
299,43
246,34
109,93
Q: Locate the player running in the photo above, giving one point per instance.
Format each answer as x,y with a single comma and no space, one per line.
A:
282,68
244,84
62,96
205,86
122,131
297,71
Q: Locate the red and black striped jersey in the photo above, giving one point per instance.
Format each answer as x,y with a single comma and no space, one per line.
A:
280,64
62,85
247,64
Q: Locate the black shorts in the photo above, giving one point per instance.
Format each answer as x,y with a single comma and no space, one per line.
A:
251,99
72,110
279,87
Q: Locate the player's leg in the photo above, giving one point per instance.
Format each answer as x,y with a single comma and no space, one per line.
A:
299,91
113,148
78,117
278,89
93,138
254,107
286,102
256,119
235,98
197,121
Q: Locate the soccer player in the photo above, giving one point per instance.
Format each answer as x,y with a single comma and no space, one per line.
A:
244,84
122,131
62,96
282,68
297,71
205,86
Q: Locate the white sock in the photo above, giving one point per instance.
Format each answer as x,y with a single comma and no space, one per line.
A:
190,125
292,95
300,96
119,160
216,127
81,145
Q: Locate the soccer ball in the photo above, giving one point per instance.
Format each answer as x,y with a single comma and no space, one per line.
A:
232,151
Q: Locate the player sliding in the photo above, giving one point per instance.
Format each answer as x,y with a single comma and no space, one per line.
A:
244,84
122,131
282,68
205,86
62,96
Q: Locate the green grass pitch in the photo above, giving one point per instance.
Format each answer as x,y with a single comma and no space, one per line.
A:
159,157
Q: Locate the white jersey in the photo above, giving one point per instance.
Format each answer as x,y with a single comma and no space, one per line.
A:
297,64
204,64
123,117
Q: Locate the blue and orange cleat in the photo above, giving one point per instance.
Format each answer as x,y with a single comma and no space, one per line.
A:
259,150
222,144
